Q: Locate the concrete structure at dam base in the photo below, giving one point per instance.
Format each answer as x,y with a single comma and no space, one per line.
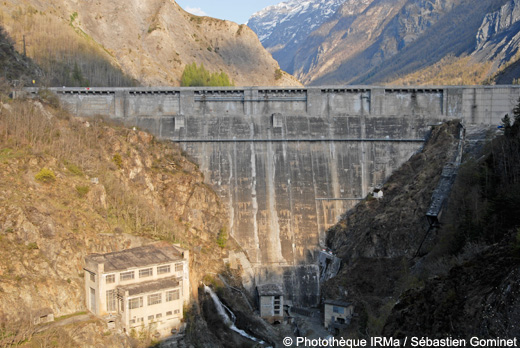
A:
290,161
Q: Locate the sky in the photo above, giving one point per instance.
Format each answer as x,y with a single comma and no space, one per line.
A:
237,11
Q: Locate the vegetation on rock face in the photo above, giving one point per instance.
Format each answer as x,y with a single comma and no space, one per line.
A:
222,237
95,204
472,257
377,238
16,69
194,76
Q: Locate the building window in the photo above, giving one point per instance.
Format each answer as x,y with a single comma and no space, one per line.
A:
127,276
135,303
111,278
147,272
140,320
92,277
154,299
339,310
177,311
178,267
172,295
132,321
163,269
111,301
158,316
169,313
150,317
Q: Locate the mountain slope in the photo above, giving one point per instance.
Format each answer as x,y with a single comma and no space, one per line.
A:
435,43
459,279
282,27
151,41
73,187
377,239
15,66
388,41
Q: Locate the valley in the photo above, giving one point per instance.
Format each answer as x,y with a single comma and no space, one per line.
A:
392,42
332,210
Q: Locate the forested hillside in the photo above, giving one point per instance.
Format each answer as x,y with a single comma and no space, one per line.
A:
16,69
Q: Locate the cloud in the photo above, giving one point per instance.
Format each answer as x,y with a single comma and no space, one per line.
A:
196,11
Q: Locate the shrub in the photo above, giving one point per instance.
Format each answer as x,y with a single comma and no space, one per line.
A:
222,238
48,97
73,169
32,246
82,190
196,76
118,160
278,74
45,175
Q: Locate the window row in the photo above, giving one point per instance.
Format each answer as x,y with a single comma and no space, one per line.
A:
152,299
154,317
143,273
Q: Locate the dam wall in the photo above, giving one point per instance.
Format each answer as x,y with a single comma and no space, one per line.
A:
290,162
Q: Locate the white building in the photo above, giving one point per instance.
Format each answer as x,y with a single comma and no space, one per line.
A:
143,288
337,315
271,302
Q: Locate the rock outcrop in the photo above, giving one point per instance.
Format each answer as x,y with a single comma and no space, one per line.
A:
281,28
498,37
384,41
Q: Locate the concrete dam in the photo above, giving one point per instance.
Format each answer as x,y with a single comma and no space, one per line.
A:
289,162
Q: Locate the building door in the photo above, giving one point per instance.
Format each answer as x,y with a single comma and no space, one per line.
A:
92,300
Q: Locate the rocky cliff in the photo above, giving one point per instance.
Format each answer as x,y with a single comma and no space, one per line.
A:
498,37
150,41
456,280
281,28
405,42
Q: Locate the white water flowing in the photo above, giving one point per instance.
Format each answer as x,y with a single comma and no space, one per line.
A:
222,312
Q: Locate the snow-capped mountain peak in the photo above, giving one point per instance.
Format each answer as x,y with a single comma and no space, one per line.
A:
291,20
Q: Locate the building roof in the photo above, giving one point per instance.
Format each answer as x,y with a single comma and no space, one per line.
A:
270,290
338,303
42,312
143,256
151,286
